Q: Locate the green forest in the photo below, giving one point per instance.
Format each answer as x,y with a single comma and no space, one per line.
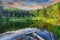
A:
47,18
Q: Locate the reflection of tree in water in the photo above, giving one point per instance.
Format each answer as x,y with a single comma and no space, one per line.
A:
43,25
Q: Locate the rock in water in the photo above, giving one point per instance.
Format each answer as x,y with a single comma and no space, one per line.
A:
27,34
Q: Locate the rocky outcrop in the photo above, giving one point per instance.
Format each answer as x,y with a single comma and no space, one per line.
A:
27,34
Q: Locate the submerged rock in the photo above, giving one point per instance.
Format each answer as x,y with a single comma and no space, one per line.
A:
27,34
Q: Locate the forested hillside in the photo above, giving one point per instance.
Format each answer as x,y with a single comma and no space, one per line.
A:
47,18
50,14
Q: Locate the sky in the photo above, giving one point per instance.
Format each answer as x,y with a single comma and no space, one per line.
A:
27,4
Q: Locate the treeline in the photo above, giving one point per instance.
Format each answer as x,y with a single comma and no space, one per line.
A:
7,14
